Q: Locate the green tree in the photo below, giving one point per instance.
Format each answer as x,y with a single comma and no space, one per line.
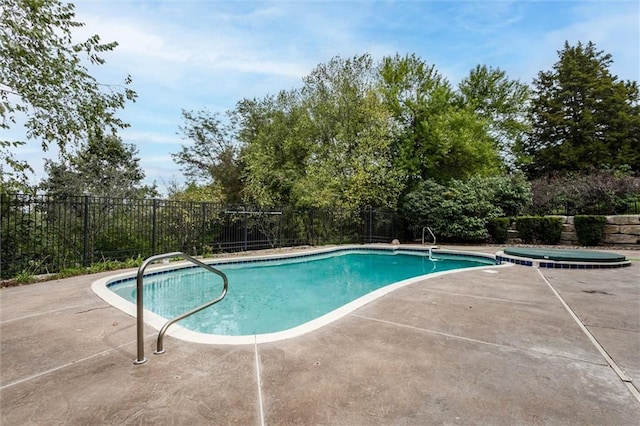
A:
502,103
213,157
583,117
274,130
45,82
412,90
326,144
191,192
461,210
435,135
92,190
103,167
348,127
457,211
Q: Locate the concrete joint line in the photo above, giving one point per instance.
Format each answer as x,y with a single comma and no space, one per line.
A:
440,333
47,312
482,342
259,381
69,364
496,299
621,374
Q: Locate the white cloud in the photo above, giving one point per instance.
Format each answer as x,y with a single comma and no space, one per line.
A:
192,55
533,47
487,17
151,137
617,33
165,49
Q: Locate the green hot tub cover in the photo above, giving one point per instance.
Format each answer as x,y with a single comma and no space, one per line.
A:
565,255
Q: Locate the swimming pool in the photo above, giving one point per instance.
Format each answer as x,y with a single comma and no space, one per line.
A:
277,297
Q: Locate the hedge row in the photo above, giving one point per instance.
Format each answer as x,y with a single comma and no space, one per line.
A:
498,228
547,230
542,229
589,229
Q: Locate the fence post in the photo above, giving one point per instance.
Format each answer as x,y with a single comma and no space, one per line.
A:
370,224
280,228
244,221
312,226
85,249
153,226
393,224
202,230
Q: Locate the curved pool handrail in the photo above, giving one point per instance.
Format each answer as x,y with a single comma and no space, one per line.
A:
426,228
140,300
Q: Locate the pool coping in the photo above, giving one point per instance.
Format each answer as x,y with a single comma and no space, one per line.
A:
100,288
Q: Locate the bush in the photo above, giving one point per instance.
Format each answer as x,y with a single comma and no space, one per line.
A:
511,193
546,230
526,228
453,213
549,230
589,229
461,210
498,228
600,192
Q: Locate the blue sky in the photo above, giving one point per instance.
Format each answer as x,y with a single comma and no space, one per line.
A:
212,53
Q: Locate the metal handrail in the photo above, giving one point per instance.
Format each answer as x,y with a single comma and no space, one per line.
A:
431,232
140,301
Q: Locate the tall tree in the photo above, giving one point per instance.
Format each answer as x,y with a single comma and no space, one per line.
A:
436,136
583,116
412,90
277,147
213,157
502,103
351,160
45,82
327,144
103,167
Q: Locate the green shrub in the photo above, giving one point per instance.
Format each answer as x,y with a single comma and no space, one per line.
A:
457,212
549,230
498,228
460,211
512,193
597,192
24,277
526,228
546,230
589,229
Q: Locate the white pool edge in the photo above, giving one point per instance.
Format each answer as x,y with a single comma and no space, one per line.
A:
100,288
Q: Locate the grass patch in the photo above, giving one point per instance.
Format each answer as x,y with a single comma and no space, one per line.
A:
25,277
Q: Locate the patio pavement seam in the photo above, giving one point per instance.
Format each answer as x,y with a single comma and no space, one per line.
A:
70,364
619,372
592,325
259,381
496,299
53,311
483,342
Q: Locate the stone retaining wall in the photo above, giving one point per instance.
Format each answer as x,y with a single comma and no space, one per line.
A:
618,231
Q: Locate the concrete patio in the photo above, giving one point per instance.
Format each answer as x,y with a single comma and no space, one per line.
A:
510,345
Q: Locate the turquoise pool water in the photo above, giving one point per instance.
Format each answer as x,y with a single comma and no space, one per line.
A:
272,296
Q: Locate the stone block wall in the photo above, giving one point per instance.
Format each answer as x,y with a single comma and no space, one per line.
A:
622,230
618,231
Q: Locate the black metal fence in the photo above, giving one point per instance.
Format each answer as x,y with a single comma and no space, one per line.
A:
44,234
